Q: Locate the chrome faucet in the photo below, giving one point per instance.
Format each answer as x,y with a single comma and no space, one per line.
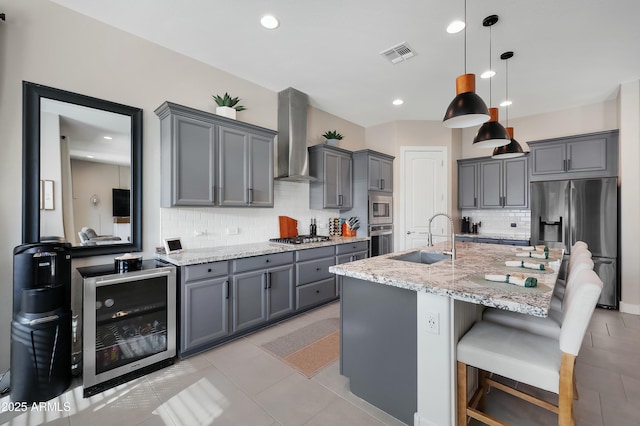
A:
453,235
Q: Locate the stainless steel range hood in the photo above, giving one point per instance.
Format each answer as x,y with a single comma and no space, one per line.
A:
293,158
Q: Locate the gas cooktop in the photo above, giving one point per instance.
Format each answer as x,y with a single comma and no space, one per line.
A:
300,239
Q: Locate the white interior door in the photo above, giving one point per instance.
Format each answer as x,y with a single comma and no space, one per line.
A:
424,184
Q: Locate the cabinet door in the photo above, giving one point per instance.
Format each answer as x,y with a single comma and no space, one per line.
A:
515,183
587,155
249,300
386,175
261,171
281,291
345,191
548,158
234,165
194,163
467,186
205,313
491,184
375,173
331,179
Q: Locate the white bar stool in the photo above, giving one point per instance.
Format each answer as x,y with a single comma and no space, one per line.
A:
529,358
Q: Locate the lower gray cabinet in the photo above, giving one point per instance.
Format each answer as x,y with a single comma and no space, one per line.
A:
262,295
204,310
314,283
349,253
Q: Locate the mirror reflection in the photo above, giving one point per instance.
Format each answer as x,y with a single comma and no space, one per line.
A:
82,171
88,158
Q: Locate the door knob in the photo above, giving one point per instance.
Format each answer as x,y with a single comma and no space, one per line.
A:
409,232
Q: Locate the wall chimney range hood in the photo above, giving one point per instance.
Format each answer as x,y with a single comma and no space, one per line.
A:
292,155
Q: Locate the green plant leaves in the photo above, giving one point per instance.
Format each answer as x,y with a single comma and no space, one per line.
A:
332,134
228,101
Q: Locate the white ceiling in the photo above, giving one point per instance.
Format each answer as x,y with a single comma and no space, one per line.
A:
567,52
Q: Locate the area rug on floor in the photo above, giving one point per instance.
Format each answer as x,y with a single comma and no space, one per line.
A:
310,348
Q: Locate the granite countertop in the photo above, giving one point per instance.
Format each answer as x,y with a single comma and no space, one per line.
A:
215,254
498,236
463,279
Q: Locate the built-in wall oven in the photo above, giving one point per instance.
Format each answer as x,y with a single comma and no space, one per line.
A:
129,323
381,240
380,209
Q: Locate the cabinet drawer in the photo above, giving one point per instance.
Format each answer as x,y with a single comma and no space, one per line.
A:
205,270
314,270
312,294
352,247
261,262
314,253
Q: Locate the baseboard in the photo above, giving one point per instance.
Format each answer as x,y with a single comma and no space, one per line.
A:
630,308
421,421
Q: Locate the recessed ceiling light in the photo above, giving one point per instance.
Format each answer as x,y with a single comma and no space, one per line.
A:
108,137
505,103
270,22
398,102
488,74
455,27
90,156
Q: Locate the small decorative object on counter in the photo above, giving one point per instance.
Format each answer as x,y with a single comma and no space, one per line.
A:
517,279
227,105
465,225
313,229
350,226
335,227
127,262
332,137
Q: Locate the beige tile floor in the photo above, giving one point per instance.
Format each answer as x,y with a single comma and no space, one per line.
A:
240,384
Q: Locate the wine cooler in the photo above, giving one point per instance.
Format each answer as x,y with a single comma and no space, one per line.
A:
129,323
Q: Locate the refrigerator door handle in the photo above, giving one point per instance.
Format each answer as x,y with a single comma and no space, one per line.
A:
572,218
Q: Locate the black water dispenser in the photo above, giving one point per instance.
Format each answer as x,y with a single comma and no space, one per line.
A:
41,323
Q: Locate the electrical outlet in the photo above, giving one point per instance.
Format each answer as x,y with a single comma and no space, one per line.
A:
513,224
433,323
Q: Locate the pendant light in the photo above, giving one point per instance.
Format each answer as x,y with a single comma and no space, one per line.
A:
491,134
513,148
467,108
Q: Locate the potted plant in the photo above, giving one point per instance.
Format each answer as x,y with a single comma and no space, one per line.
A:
332,137
227,106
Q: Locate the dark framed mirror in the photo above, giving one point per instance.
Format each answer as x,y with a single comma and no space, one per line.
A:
81,171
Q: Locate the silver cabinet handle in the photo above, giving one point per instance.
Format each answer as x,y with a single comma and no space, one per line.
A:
569,164
339,200
226,287
249,195
475,201
564,164
409,232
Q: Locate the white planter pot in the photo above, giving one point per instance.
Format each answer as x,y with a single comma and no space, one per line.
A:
226,111
333,142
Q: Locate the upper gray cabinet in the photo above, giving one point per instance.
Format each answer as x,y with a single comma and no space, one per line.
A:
377,167
485,183
245,168
331,167
504,184
575,157
209,160
468,184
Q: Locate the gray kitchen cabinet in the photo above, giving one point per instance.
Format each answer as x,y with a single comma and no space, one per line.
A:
376,167
245,168
504,183
204,310
349,253
314,283
203,155
187,156
333,172
261,295
467,184
575,157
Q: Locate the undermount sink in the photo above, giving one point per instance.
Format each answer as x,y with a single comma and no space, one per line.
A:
426,257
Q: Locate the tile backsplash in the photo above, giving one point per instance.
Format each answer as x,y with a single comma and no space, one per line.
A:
200,227
499,221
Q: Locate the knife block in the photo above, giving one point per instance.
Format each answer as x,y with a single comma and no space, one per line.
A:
348,232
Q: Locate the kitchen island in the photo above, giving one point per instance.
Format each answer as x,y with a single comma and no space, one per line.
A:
401,321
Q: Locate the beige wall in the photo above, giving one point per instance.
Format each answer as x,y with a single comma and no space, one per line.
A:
47,44
319,122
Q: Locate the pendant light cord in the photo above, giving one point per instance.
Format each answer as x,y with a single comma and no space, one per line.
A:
507,89
490,67
465,36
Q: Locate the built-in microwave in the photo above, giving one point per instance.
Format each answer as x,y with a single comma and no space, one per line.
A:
380,209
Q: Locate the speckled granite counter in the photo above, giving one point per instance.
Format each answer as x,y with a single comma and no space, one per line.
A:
463,279
214,254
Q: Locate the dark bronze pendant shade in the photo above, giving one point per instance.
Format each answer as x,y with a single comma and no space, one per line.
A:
467,108
491,134
512,150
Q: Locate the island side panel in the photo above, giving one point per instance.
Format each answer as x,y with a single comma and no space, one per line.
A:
378,350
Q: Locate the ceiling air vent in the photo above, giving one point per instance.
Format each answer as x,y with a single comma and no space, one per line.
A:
398,53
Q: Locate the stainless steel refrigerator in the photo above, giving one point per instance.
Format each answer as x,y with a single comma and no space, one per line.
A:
566,211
